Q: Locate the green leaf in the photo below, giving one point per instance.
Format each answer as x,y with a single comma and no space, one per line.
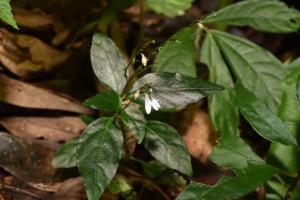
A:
166,145
174,90
288,157
251,171
108,101
296,192
298,91
266,123
170,8
99,150
178,54
119,184
268,16
65,157
108,63
222,110
232,152
259,70
87,119
135,121
162,174
6,14
229,187
276,190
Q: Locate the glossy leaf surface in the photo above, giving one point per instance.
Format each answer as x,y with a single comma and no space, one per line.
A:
98,153
266,123
107,62
65,157
109,101
166,145
178,54
174,90
288,157
259,70
268,16
222,110
135,121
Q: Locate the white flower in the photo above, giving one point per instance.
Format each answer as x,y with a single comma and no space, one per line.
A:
151,103
144,60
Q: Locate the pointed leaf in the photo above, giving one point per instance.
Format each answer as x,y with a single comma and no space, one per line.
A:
222,110
98,153
232,152
259,70
65,157
170,8
266,123
268,16
298,91
178,54
174,90
166,145
230,187
135,121
288,157
109,101
108,63
6,14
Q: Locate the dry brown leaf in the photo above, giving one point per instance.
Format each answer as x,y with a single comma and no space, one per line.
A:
27,56
55,129
38,20
26,95
71,189
16,189
200,136
28,160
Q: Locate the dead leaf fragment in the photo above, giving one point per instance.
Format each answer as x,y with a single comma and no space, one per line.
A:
26,95
71,189
55,129
27,160
38,20
200,136
27,56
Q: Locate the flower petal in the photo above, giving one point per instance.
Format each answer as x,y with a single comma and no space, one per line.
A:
155,104
148,104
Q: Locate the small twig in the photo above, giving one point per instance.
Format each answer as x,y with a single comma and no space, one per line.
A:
18,190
